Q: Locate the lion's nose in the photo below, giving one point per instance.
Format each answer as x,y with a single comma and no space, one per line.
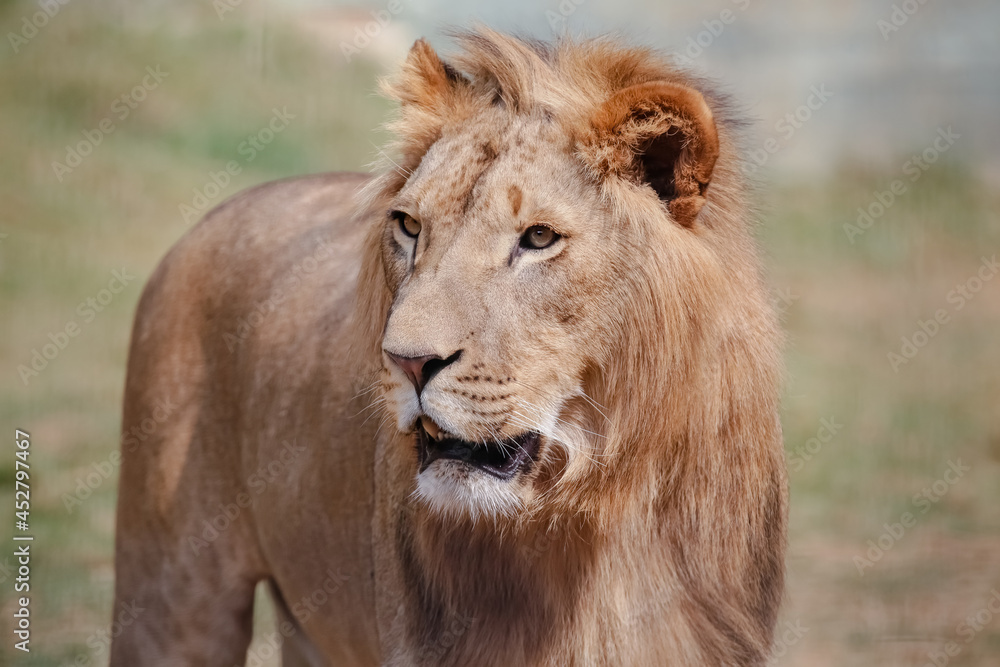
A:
420,370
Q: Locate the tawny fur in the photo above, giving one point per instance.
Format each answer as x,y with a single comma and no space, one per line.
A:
651,528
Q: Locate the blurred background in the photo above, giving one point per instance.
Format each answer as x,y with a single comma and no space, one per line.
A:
874,138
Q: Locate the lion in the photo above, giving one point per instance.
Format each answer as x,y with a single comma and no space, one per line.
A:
511,401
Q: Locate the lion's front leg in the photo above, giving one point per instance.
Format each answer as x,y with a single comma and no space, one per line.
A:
176,616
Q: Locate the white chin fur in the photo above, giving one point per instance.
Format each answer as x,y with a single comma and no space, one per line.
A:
453,489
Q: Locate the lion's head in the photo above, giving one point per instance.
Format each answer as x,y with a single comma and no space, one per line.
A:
569,293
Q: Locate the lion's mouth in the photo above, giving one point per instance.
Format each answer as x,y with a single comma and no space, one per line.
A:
501,458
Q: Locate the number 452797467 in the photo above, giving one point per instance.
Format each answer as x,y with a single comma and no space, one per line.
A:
22,492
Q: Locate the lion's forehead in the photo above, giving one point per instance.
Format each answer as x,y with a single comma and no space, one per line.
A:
474,167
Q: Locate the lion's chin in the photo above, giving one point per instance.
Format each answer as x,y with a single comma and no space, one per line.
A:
457,477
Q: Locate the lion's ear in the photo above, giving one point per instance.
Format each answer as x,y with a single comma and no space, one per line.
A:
661,134
426,81
429,92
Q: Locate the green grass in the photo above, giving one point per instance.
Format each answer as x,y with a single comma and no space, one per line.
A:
852,303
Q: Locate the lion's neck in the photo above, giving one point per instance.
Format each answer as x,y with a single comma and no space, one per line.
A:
533,586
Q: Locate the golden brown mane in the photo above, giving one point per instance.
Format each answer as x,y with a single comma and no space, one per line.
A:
692,375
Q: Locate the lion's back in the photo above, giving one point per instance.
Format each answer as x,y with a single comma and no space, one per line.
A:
219,302
252,291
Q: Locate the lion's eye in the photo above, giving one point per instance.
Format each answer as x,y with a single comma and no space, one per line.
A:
407,224
537,237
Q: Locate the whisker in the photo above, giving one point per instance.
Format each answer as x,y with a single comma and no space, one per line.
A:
377,400
589,456
562,421
594,404
386,419
370,387
399,170
581,393
374,412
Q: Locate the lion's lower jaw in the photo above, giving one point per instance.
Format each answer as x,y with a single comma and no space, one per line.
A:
450,489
